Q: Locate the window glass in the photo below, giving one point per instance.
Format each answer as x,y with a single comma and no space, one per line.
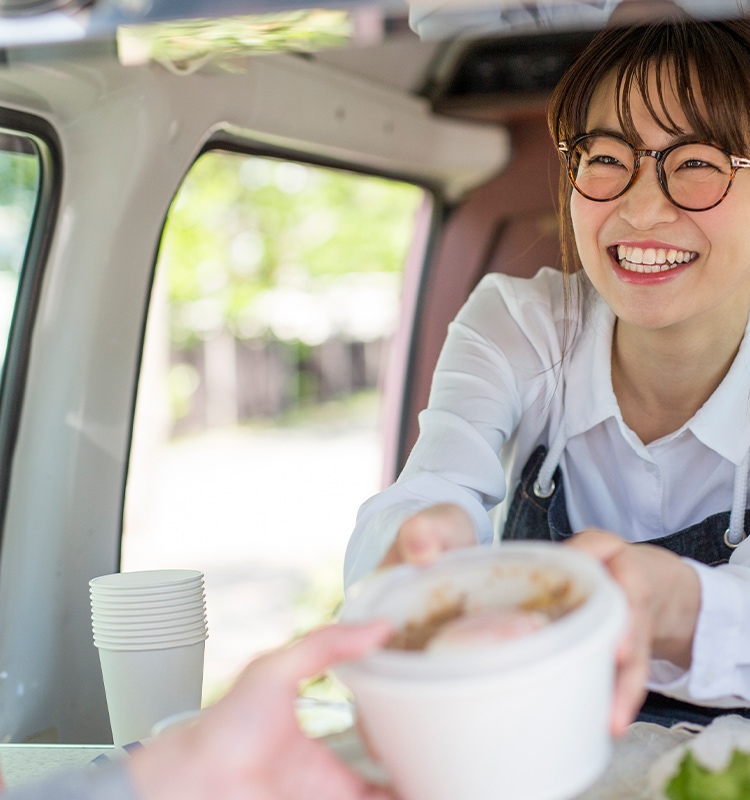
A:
19,184
256,434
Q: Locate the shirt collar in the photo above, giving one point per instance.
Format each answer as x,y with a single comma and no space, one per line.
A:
723,422
589,398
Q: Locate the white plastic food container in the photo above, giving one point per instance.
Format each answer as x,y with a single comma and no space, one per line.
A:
526,719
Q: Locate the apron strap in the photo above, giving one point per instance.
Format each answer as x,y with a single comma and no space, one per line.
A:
544,485
736,531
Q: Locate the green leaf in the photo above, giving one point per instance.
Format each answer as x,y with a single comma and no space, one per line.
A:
694,782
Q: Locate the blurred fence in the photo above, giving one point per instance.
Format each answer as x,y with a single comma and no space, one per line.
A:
224,380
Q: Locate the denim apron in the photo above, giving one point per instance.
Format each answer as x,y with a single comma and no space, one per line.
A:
532,516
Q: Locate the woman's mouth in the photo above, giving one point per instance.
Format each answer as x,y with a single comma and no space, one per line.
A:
651,259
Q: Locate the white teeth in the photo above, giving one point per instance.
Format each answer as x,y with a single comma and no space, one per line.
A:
652,259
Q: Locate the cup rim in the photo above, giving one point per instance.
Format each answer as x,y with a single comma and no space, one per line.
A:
148,591
102,640
134,646
154,613
146,628
114,636
157,610
128,603
152,578
139,619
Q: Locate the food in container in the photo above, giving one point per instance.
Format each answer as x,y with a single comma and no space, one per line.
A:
514,703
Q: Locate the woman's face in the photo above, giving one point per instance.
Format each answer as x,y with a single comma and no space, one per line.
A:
711,287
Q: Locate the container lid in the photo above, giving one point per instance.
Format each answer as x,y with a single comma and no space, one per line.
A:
488,576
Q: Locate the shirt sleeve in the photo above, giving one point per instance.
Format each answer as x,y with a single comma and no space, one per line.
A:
719,673
94,783
494,365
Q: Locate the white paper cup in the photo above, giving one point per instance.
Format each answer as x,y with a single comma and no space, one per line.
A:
145,635
526,719
124,607
167,638
155,615
143,686
147,624
151,598
117,610
144,643
154,580
147,603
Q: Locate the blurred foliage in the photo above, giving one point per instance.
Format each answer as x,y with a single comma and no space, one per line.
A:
243,226
201,40
19,182
19,185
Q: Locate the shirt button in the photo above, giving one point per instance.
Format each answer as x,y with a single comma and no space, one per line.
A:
650,467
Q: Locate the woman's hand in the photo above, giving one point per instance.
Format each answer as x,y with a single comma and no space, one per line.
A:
663,593
430,532
249,744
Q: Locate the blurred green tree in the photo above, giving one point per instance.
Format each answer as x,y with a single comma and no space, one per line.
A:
19,183
242,226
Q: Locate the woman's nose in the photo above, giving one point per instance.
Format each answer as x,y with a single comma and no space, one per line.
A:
645,205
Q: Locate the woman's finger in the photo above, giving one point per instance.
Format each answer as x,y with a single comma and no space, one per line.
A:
632,673
430,532
634,650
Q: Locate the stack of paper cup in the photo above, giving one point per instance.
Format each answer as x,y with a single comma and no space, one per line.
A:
150,629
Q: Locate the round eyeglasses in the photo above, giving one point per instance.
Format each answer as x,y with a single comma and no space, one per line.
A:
694,176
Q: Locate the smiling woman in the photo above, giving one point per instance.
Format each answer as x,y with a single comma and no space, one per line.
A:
615,393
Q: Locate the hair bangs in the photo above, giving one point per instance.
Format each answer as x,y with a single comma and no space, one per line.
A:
649,80
707,77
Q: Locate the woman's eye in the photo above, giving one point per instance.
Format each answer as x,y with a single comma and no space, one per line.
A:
603,160
697,158
601,165
695,163
606,159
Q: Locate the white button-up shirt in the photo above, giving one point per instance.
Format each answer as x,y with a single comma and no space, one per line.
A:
498,392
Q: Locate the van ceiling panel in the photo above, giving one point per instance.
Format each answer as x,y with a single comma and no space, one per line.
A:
402,62
447,19
504,78
355,121
25,22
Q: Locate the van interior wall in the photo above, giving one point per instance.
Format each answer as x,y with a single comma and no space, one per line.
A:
507,225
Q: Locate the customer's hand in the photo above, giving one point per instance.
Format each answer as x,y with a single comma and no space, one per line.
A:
249,744
663,593
423,536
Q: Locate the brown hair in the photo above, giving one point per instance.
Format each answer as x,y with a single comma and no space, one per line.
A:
718,53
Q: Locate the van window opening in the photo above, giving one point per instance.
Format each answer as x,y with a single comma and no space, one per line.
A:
256,435
19,188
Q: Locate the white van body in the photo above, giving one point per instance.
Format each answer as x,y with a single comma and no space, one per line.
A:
116,140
